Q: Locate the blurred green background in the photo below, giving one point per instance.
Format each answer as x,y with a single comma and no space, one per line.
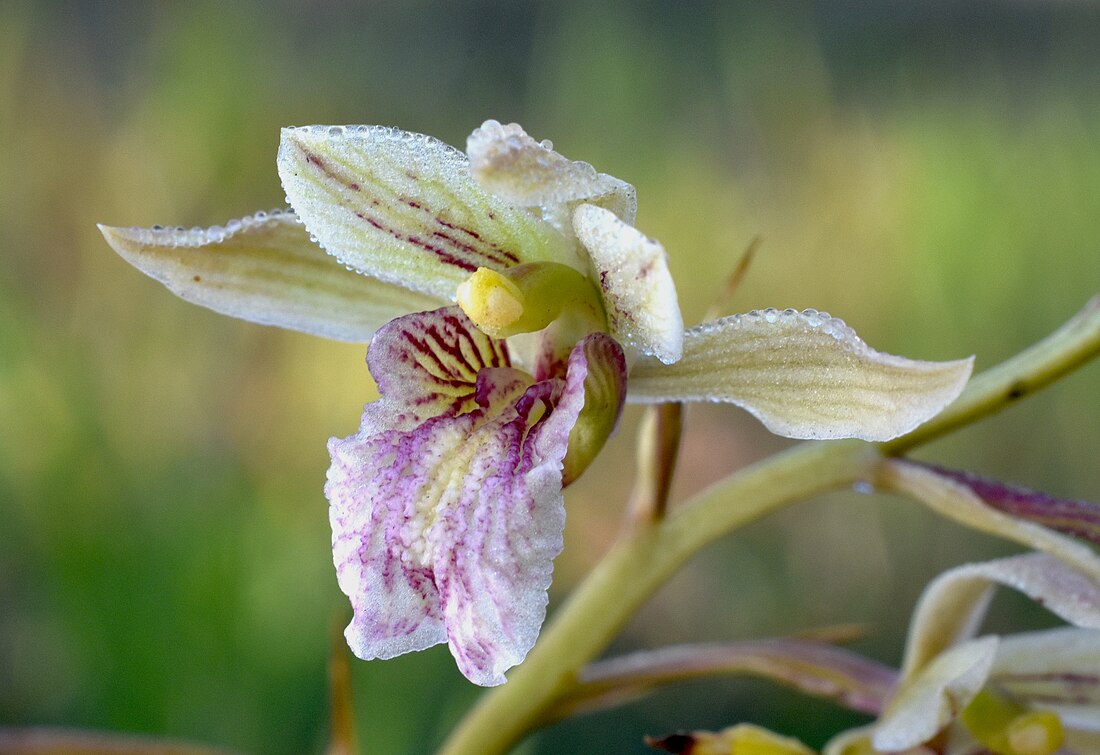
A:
930,171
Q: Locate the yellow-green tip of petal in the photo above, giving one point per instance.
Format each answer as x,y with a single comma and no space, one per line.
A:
1038,732
1004,726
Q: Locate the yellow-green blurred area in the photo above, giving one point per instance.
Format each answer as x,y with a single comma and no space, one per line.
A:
929,171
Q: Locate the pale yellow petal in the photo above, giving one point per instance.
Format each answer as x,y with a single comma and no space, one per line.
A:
954,602
637,288
804,375
511,164
404,208
1058,669
265,269
931,699
1066,557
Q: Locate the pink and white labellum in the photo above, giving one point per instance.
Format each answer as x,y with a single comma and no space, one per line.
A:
446,506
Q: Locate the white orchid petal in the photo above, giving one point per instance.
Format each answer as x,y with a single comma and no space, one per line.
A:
958,502
404,208
931,699
954,602
804,375
511,164
638,292
1056,669
265,269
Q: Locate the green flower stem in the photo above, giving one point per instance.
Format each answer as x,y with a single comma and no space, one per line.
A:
633,569
649,555
658,450
1063,351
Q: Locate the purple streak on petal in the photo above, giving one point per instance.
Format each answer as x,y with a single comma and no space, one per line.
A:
856,682
507,529
427,365
1077,518
446,507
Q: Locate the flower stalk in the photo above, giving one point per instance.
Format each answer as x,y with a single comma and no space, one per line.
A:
633,570
446,506
1034,368
649,555
658,450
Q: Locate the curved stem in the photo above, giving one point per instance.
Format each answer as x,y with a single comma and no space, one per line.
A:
1036,367
643,560
658,450
813,668
633,569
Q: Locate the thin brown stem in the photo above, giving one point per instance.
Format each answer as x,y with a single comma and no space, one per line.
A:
658,451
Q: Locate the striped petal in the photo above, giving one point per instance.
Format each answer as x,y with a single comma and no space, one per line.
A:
404,208
1057,669
265,269
527,173
954,603
932,699
1073,517
638,292
446,507
804,375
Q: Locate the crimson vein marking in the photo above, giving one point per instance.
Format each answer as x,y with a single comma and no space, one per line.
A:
494,253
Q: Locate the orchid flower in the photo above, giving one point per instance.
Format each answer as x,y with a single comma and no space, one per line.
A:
1033,693
534,304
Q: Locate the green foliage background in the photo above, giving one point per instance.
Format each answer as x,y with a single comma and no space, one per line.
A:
929,171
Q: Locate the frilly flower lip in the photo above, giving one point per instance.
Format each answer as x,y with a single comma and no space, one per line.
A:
447,507
446,504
